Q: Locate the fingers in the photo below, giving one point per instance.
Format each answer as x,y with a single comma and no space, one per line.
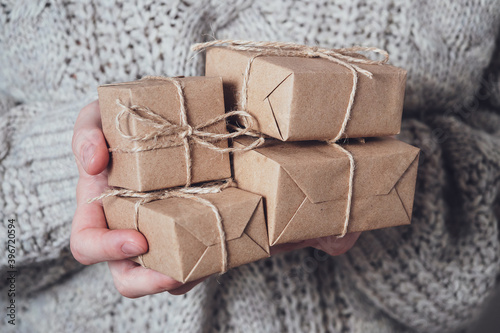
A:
89,145
91,240
335,246
93,245
89,187
132,280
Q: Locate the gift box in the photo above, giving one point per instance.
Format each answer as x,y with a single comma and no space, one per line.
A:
296,98
135,167
183,237
305,185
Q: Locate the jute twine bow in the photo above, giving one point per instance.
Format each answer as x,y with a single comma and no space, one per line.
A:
346,57
191,193
160,128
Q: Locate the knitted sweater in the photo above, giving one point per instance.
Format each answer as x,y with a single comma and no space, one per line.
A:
432,276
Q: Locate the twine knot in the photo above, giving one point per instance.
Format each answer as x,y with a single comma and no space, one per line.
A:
158,131
346,57
162,133
191,193
187,132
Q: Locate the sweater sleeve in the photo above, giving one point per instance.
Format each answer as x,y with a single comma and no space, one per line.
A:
38,177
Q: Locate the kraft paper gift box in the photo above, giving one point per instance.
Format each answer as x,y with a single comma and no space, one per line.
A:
296,99
165,167
182,234
305,184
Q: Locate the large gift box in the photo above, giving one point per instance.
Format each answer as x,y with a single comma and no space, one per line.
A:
305,185
295,98
183,236
137,166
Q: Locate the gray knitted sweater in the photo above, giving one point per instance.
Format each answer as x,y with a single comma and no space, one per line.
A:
432,276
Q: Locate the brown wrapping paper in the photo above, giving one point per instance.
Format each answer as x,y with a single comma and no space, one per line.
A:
182,234
166,167
296,99
305,185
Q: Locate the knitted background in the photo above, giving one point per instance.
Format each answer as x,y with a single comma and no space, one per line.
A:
430,277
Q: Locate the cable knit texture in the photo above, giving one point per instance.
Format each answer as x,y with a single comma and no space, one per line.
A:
432,276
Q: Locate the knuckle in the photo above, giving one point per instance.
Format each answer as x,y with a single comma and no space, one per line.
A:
94,135
84,137
123,284
123,288
109,250
169,285
76,142
77,254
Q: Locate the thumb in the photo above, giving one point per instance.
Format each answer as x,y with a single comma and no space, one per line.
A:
89,145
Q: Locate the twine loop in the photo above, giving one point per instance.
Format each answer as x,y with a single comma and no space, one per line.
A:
191,193
162,133
347,57
187,133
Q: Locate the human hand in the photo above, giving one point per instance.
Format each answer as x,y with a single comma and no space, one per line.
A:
91,240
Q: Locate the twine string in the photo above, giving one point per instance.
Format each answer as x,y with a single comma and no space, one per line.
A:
346,57
191,193
162,133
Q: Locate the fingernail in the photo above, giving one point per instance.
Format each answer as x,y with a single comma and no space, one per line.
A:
88,153
131,249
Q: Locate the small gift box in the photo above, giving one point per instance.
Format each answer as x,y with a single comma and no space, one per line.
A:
306,185
162,131
300,97
186,241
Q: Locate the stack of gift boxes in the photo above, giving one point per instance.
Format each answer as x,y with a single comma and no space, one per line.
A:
292,188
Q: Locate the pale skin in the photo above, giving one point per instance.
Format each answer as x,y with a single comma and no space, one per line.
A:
92,242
